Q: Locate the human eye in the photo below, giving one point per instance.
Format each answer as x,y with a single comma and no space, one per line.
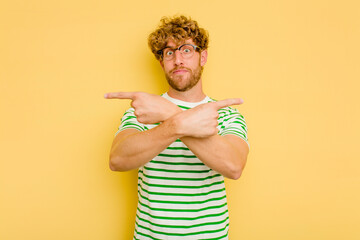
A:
187,49
169,52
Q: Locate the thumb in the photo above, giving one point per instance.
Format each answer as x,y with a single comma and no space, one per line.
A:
228,102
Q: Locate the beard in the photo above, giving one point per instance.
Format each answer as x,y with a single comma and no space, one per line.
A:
190,80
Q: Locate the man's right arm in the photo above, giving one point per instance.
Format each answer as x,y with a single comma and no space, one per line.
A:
131,148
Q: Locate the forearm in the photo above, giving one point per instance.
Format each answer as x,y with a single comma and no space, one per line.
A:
196,127
131,149
220,153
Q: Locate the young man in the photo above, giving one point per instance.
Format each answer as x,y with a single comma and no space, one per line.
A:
182,142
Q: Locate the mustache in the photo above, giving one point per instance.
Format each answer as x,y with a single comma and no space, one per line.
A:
180,68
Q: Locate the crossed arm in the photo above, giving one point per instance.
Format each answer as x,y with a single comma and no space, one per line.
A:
196,127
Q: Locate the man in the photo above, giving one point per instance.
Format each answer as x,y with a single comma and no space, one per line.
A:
182,142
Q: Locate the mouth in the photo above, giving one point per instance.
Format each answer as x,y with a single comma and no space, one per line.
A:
179,71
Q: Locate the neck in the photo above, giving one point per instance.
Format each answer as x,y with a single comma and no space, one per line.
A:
194,94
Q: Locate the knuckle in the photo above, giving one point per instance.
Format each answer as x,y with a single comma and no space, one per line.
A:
136,95
138,112
140,119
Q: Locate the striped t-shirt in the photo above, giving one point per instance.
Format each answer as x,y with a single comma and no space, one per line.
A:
178,196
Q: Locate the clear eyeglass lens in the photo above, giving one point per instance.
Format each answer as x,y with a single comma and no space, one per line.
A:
186,51
168,52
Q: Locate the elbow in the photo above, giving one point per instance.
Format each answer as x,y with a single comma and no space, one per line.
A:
235,174
236,170
116,164
112,165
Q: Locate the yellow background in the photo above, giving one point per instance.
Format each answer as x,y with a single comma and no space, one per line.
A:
295,64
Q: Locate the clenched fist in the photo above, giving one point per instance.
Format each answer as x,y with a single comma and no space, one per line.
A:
201,121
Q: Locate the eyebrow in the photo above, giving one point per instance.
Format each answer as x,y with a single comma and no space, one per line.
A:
170,47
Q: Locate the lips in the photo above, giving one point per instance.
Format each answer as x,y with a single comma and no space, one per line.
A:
179,71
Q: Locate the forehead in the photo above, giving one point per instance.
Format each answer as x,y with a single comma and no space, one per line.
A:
173,43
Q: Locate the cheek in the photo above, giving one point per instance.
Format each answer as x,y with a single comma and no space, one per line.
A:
168,67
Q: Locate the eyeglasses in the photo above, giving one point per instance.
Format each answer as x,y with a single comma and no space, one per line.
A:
186,50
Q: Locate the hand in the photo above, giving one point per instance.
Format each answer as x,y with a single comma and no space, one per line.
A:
201,121
149,108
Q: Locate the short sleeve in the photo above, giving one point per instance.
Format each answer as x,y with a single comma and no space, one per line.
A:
129,121
232,122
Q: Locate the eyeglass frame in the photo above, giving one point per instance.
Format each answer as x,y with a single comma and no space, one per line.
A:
161,52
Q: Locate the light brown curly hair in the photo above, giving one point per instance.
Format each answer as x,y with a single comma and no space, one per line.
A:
177,29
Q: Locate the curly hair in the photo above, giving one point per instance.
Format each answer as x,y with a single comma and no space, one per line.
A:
177,29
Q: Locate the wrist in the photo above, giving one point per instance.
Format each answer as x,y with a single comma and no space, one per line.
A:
174,125
171,112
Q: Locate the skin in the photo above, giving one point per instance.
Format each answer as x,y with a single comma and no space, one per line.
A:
182,78
196,127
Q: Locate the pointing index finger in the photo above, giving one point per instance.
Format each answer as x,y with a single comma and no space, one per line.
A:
228,102
119,95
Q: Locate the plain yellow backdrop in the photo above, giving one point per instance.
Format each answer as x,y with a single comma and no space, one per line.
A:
295,64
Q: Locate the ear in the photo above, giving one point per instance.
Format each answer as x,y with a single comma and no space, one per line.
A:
203,57
161,64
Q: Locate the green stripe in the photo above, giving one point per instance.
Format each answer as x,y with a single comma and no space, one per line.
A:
129,112
229,112
224,120
181,202
181,210
182,226
229,117
238,122
235,133
234,130
180,179
178,163
131,124
182,194
177,171
183,107
234,120
181,156
178,148
218,238
179,186
128,117
146,235
184,218
131,127
182,234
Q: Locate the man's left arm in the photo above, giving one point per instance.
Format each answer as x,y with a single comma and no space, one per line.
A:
227,151
224,154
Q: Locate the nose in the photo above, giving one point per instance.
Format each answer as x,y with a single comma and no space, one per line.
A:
178,57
